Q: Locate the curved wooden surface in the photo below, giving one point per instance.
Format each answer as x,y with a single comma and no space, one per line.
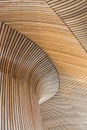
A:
24,67
68,109
74,15
21,59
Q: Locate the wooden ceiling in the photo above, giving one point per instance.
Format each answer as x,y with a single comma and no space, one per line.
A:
67,110
74,15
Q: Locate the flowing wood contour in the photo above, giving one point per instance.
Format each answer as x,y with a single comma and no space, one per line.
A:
28,78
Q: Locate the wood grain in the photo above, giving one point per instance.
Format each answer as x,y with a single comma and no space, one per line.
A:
35,19
74,15
28,77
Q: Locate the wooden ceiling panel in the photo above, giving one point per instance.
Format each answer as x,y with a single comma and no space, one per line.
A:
74,15
35,19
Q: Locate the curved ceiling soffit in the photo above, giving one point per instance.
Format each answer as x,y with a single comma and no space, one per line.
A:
62,116
23,59
74,15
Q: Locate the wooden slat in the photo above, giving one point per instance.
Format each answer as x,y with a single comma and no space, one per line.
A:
28,77
68,109
74,15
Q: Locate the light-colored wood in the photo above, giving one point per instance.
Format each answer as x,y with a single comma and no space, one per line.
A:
74,15
68,109
28,77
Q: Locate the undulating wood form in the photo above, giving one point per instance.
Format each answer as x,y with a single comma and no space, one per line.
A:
28,77
74,15
67,110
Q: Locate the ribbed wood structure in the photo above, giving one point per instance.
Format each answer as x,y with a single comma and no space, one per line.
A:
74,15
28,77
53,32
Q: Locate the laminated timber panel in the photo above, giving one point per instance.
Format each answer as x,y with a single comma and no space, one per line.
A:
68,109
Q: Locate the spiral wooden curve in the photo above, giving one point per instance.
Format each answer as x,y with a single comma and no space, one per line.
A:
24,67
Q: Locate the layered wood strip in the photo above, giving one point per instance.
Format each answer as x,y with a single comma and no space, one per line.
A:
74,15
36,11
21,58
68,109
34,18
27,76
